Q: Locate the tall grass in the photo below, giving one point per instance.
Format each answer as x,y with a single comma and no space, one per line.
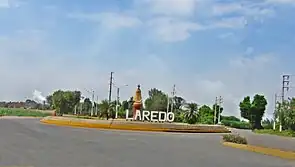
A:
22,112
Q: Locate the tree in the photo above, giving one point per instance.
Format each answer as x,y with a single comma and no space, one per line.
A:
286,114
107,109
178,102
125,105
87,105
191,113
65,101
230,118
206,115
157,101
49,100
253,111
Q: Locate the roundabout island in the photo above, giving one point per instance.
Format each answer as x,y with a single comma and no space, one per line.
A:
134,125
140,120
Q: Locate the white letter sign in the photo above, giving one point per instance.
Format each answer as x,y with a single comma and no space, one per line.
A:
152,116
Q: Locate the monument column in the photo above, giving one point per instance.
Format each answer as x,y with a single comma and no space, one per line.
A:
137,101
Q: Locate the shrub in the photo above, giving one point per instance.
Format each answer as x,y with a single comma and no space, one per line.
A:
234,138
236,124
267,126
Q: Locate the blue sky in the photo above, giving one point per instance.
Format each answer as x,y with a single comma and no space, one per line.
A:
207,48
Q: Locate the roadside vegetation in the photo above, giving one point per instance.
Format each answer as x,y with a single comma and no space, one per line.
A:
22,112
285,133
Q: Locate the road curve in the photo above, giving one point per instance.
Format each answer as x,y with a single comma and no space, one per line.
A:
26,142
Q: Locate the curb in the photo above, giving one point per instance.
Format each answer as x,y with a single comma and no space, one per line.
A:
263,150
130,127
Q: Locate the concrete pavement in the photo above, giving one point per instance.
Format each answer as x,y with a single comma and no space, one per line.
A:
27,142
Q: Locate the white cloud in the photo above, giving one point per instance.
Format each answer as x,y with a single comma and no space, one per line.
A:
172,30
110,20
234,22
26,66
243,76
245,9
169,7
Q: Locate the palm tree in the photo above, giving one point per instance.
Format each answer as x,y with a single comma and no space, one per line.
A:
106,108
103,107
191,113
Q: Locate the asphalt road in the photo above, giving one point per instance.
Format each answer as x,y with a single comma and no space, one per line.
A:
266,140
26,142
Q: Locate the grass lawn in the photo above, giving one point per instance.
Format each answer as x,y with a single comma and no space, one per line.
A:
275,132
22,112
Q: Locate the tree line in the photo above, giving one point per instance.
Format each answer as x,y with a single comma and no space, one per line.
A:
253,110
68,102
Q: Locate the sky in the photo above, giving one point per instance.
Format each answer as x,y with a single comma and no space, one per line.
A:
207,48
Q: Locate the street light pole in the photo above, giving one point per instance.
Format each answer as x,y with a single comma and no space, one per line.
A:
118,99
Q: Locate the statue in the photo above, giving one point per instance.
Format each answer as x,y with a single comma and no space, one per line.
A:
137,101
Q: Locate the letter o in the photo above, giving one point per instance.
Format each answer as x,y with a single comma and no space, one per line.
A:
170,117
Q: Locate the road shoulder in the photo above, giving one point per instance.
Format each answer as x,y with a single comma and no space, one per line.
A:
263,150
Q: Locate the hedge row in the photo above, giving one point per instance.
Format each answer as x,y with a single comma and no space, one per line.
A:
236,124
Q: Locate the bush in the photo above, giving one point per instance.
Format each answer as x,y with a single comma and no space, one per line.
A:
234,138
267,126
230,118
236,124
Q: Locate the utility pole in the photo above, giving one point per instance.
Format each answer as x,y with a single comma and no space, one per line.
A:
173,97
274,113
117,101
96,108
219,108
168,103
110,93
215,110
285,88
92,108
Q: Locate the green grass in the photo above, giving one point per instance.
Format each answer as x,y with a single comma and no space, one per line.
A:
285,133
22,112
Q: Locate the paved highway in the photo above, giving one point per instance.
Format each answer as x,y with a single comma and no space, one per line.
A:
26,142
266,140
